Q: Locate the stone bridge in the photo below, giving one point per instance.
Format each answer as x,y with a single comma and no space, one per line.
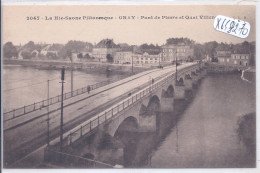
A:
141,108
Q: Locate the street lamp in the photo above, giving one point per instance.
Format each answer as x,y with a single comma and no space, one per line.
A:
176,67
48,117
132,60
61,119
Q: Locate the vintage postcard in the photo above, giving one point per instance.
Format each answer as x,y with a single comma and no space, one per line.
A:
129,86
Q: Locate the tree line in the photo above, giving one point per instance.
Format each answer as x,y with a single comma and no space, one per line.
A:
73,46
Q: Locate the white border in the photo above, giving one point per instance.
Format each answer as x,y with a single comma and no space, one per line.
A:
147,2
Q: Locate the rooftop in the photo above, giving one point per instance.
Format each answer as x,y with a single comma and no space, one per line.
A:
107,43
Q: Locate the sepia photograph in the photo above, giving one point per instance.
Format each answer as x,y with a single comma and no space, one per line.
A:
128,86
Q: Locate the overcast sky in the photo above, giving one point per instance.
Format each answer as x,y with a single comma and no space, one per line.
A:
17,29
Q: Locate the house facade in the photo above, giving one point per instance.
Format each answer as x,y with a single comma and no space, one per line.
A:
147,59
124,57
47,49
232,56
240,59
103,49
180,51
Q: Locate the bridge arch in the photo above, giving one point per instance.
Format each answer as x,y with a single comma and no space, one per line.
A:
154,104
180,82
128,124
169,93
187,76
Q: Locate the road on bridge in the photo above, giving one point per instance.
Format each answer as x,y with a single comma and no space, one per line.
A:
29,132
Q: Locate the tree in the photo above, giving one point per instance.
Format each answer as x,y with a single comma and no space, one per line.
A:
34,54
9,50
26,55
51,55
30,46
199,51
186,41
245,44
80,56
110,58
86,56
68,54
72,46
210,48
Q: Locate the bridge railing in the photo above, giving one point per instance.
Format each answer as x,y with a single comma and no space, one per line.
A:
114,111
9,115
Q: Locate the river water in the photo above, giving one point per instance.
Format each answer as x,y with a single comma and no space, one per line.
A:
203,135
26,85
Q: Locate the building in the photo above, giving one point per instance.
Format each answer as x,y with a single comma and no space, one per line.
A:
147,58
224,54
51,48
228,55
138,58
104,48
241,59
180,51
123,57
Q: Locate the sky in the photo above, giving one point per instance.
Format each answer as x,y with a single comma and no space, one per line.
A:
17,29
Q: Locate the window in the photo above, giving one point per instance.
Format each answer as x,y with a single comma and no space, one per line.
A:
227,59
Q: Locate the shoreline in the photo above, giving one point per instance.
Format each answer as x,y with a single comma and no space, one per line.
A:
88,67
247,131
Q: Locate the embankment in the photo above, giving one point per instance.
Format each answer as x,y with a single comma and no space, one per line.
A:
89,67
247,131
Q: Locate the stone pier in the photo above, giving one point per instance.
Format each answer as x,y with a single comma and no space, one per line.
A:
194,77
167,102
147,123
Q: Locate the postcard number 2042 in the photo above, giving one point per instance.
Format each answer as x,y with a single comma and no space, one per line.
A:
32,17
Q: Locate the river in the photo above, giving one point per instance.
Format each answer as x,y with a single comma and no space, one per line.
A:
25,85
203,135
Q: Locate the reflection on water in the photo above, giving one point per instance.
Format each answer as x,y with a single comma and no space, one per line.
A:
202,135
26,85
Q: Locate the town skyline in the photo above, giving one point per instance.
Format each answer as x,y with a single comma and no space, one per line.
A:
95,43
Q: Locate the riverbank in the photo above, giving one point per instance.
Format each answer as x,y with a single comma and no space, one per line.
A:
88,67
249,75
247,131
217,68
